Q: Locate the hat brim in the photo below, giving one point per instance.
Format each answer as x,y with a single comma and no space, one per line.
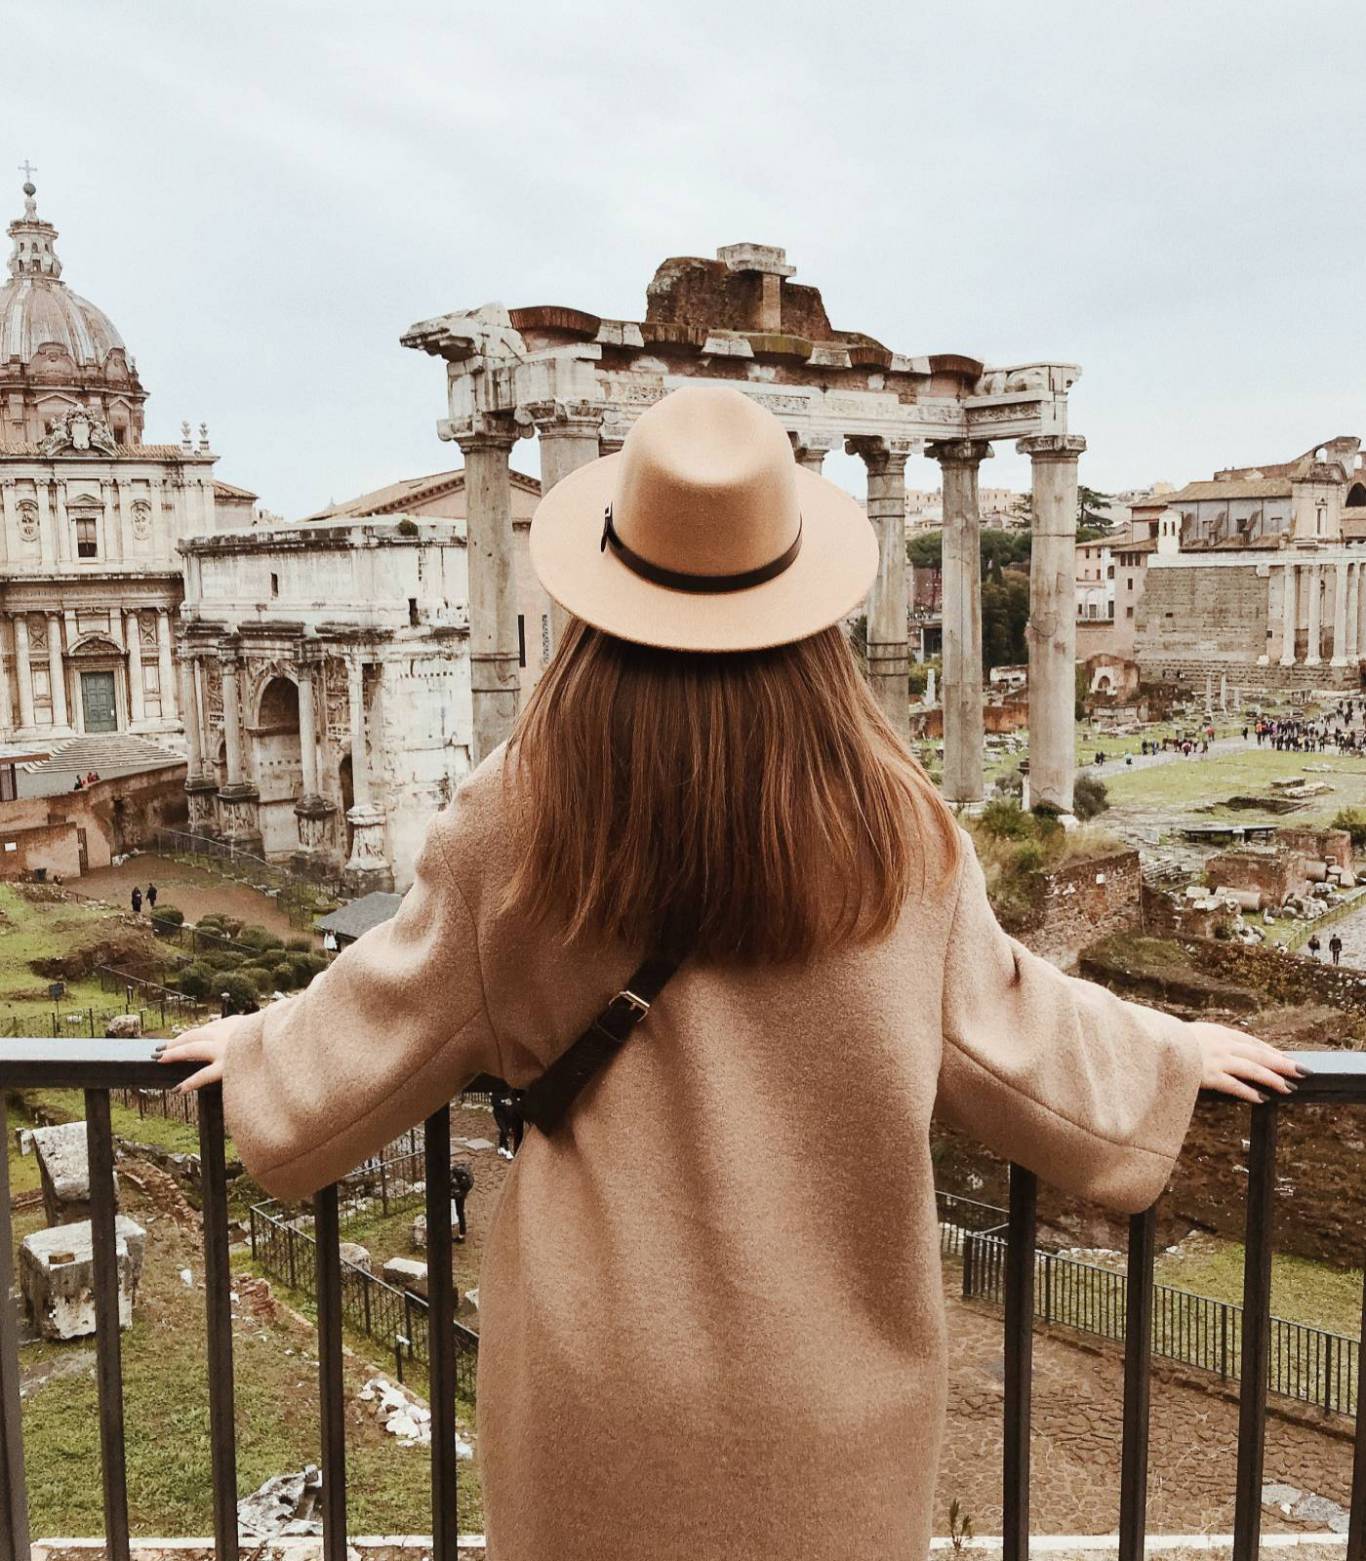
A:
829,578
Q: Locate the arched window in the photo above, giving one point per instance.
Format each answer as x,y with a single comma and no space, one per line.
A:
1357,494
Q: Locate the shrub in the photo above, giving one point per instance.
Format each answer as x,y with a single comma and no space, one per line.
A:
262,977
1004,819
406,527
1089,797
195,980
240,991
1353,820
299,945
306,966
221,959
259,938
166,918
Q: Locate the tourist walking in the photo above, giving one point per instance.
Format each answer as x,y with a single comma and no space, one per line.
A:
507,1114
703,810
1314,945
462,1185
1335,948
136,898
151,897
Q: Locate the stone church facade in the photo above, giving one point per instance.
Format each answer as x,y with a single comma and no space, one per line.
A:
90,579
1257,577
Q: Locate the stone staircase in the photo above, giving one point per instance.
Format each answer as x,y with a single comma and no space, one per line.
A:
108,753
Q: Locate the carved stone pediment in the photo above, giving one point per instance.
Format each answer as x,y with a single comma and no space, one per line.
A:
82,432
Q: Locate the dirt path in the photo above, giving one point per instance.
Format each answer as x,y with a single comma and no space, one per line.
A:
1078,1403
195,890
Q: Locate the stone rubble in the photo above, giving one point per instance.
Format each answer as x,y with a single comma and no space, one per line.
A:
64,1168
57,1277
404,1417
285,1504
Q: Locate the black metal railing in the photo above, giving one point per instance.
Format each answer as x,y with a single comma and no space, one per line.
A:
1314,1365
99,1067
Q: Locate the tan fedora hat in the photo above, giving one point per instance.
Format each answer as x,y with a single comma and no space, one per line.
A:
703,533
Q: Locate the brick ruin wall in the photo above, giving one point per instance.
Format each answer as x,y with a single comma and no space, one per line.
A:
1082,902
1197,624
1322,1207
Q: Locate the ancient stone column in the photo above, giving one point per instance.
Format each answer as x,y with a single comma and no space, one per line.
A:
1289,616
1340,614
200,785
368,867
1311,658
6,697
166,665
23,670
10,515
312,811
360,763
56,670
495,682
960,463
811,450
568,439
232,722
62,543
1351,652
308,733
112,541
47,543
1052,630
194,753
133,635
889,651
238,799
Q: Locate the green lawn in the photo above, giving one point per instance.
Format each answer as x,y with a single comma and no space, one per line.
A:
1301,1291
166,1399
1192,783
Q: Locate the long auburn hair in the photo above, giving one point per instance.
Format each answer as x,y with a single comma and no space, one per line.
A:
752,807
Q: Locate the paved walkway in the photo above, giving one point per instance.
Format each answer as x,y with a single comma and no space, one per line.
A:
1148,761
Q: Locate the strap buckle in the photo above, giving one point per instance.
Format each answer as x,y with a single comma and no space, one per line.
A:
638,1005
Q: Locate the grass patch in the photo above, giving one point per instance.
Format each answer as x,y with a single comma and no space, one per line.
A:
1302,1291
1192,783
166,1399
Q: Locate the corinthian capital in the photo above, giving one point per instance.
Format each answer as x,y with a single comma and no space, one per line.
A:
1051,447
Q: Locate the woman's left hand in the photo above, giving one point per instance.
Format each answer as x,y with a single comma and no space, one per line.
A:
208,1044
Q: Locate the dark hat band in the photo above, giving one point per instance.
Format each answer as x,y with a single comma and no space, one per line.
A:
682,580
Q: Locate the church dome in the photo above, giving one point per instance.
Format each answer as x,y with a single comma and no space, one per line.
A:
57,350
34,313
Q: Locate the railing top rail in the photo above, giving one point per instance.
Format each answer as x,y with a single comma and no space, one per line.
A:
33,1062
41,1063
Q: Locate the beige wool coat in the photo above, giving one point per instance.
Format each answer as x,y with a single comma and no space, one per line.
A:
711,1313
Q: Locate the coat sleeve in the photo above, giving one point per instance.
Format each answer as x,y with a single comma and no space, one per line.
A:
1092,1093
393,1029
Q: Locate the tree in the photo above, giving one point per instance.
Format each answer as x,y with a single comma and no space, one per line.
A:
1093,509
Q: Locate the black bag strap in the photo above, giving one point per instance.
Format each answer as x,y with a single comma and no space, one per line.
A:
546,1102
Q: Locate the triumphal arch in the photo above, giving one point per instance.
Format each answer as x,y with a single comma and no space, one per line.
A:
578,381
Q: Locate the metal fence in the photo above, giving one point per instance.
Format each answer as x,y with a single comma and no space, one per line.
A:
72,1022
397,1319
1313,1365
295,892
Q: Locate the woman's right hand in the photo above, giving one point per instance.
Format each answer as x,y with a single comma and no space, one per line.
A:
1242,1066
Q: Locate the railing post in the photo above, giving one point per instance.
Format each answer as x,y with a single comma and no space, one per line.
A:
1138,1359
1261,1183
441,1334
108,1344
218,1319
14,1544
327,1243
1019,1340
1356,1531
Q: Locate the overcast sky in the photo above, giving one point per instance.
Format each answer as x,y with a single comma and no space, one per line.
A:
263,196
